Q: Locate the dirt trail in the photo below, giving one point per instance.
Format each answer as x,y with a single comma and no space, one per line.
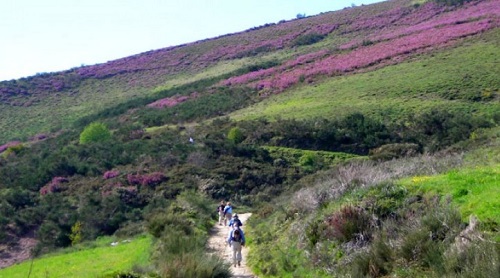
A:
217,245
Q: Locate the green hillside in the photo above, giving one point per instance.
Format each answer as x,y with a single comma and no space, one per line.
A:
365,142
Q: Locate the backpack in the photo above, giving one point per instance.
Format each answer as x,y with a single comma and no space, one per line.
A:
236,237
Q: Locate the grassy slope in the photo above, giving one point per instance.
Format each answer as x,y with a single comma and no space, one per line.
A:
397,90
474,191
87,262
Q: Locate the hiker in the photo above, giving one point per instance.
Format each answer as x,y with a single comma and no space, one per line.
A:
235,220
228,212
220,211
236,241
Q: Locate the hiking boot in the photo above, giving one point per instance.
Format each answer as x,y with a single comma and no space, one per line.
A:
239,263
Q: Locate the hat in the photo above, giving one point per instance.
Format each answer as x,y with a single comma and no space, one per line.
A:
235,215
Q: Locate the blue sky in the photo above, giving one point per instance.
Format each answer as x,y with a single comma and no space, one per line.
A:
53,35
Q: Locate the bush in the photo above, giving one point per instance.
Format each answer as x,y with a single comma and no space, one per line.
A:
310,161
308,39
451,2
347,224
479,259
95,132
235,135
375,263
159,223
396,150
194,265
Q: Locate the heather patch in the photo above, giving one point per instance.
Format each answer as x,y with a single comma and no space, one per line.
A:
172,101
54,186
8,145
410,36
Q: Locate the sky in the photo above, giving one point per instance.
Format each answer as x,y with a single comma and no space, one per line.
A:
38,36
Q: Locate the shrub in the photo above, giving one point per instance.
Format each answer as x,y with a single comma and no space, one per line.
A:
396,150
375,263
151,179
480,259
95,132
235,135
14,149
76,233
347,224
122,274
311,161
194,264
308,39
111,174
451,2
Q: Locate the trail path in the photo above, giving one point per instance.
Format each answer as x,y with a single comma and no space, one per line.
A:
217,245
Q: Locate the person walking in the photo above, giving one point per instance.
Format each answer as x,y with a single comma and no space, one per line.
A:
235,220
228,213
236,240
220,211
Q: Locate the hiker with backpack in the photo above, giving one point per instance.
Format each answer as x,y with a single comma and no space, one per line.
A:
220,211
235,220
228,212
236,241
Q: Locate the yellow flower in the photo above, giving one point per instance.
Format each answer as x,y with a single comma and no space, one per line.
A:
420,179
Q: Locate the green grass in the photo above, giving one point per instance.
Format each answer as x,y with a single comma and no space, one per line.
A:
86,262
446,80
474,190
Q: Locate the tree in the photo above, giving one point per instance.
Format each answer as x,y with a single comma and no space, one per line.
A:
95,132
299,15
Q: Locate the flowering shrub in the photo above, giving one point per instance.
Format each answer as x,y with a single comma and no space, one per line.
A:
107,189
8,145
111,174
146,180
171,101
54,186
347,224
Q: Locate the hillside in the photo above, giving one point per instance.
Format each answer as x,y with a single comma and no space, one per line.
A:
348,130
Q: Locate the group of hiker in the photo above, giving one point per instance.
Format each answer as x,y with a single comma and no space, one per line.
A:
236,237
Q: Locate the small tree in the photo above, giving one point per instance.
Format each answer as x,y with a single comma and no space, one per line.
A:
235,135
76,233
299,16
95,132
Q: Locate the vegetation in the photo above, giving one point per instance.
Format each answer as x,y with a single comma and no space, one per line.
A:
366,147
104,259
95,132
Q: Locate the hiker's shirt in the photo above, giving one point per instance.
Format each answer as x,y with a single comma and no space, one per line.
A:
228,211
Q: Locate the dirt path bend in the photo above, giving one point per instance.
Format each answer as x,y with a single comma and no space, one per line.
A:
217,245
